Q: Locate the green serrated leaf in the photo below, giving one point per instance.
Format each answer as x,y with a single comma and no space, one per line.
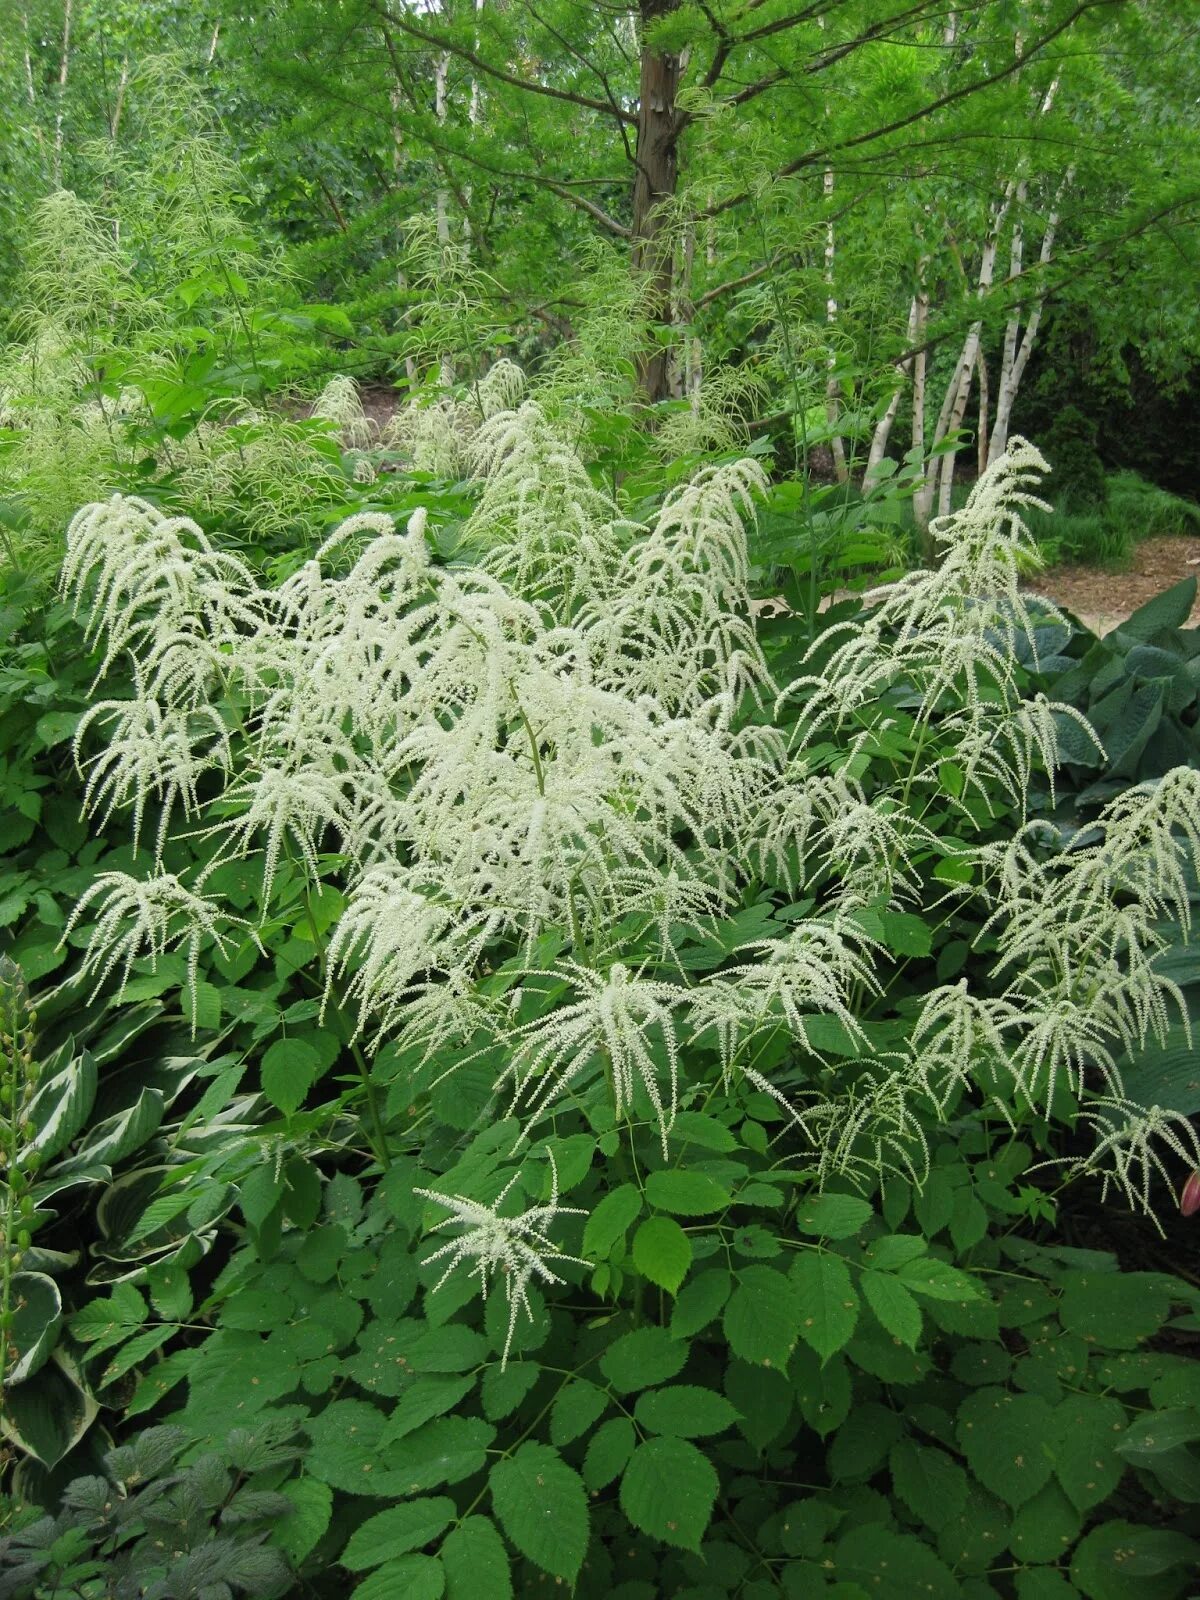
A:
640,1359
1045,1527
762,1317
476,1562
893,1566
833,1216
312,1506
699,1301
662,1252
827,1302
576,1407
930,1482
668,1491
289,1069
542,1507
609,1448
685,1411
396,1531
686,1194
1007,1440
610,1221
414,1577
895,1309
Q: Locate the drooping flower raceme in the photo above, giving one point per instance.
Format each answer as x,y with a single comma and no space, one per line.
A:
518,1248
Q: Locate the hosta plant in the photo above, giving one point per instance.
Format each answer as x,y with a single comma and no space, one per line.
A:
747,956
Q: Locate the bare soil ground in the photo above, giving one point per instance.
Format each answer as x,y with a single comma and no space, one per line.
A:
1101,599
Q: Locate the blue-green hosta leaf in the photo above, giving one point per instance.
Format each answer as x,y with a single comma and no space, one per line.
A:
541,1505
476,1562
668,1491
37,1318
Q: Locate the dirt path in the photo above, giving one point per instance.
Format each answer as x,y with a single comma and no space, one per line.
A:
1102,599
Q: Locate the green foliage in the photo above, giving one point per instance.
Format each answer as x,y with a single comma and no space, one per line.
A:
716,1271
149,1522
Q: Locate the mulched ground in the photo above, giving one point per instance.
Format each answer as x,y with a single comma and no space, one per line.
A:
1101,599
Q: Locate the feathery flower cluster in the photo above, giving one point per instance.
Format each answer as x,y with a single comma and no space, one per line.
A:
567,741
518,1247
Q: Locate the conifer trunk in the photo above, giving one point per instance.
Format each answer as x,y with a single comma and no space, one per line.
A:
654,183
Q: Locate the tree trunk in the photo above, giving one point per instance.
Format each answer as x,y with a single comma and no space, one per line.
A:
654,183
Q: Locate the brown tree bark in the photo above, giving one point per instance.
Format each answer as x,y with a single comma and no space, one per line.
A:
654,183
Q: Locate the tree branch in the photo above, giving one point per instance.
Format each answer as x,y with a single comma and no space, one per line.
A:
406,25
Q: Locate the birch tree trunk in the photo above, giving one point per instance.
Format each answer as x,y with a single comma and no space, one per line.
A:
883,428
1013,368
833,389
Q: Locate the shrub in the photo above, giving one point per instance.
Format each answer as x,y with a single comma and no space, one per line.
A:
723,1006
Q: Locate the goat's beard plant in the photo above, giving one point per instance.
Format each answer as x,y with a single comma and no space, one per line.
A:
592,850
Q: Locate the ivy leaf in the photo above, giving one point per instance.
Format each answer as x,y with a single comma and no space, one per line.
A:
828,1304
542,1507
668,1491
834,1216
289,1069
896,1310
476,1562
762,1317
662,1252
396,1531
640,1359
686,1194
685,1411
1007,1441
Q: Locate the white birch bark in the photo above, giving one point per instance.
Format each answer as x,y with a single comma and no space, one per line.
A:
1014,369
939,475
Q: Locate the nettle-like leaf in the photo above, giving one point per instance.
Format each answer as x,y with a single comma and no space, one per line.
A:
542,1507
668,1490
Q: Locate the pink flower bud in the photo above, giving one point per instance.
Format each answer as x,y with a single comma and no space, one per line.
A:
1189,1198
